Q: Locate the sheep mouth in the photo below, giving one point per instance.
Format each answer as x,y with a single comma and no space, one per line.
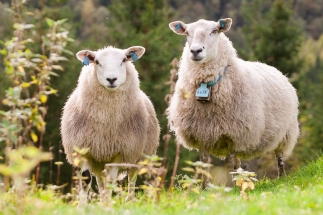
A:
196,58
112,87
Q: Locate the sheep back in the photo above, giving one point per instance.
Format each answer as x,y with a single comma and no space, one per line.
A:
253,109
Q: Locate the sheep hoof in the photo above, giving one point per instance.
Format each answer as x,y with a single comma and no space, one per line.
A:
281,165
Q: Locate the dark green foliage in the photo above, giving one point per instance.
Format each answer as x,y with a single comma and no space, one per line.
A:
275,37
272,35
311,103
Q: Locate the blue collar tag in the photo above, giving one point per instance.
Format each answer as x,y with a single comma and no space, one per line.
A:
86,61
202,91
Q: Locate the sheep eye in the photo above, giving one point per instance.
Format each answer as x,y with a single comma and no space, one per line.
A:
123,61
97,62
215,31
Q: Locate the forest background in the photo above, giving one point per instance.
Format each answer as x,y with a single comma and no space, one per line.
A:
284,34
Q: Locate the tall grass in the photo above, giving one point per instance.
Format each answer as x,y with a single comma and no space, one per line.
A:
298,193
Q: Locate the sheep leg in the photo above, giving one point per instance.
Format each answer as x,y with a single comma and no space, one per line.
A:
205,158
230,162
281,165
85,186
237,163
105,195
132,178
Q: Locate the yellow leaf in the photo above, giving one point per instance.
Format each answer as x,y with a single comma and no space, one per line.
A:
251,185
21,69
34,137
188,169
76,162
39,127
145,162
83,151
195,190
43,98
34,110
204,172
185,185
59,163
5,101
53,91
25,85
142,171
186,95
244,186
75,203
239,182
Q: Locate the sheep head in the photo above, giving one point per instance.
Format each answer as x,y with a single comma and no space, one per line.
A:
202,37
110,64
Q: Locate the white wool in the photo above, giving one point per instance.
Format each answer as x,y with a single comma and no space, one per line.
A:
253,108
117,125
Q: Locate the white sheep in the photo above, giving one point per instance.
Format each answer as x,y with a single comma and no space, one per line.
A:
109,114
226,106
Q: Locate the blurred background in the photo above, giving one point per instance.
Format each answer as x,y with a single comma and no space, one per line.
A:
287,34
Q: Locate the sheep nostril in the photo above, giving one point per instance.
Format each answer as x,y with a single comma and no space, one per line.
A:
111,80
196,52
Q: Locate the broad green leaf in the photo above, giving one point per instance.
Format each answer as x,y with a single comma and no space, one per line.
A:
59,22
50,22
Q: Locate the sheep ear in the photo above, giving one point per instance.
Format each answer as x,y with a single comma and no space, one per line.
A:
224,24
134,53
86,56
178,27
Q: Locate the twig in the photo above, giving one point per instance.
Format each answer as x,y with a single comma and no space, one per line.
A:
123,165
60,151
178,147
166,139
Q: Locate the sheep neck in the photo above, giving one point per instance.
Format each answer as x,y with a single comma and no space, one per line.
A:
216,80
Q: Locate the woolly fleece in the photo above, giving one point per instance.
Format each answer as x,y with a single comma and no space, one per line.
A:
119,124
253,109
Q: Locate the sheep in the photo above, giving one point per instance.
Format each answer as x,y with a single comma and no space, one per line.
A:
228,107
109,114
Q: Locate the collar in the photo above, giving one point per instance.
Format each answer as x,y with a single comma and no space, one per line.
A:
216,80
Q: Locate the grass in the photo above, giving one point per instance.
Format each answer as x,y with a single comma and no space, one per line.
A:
298,193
